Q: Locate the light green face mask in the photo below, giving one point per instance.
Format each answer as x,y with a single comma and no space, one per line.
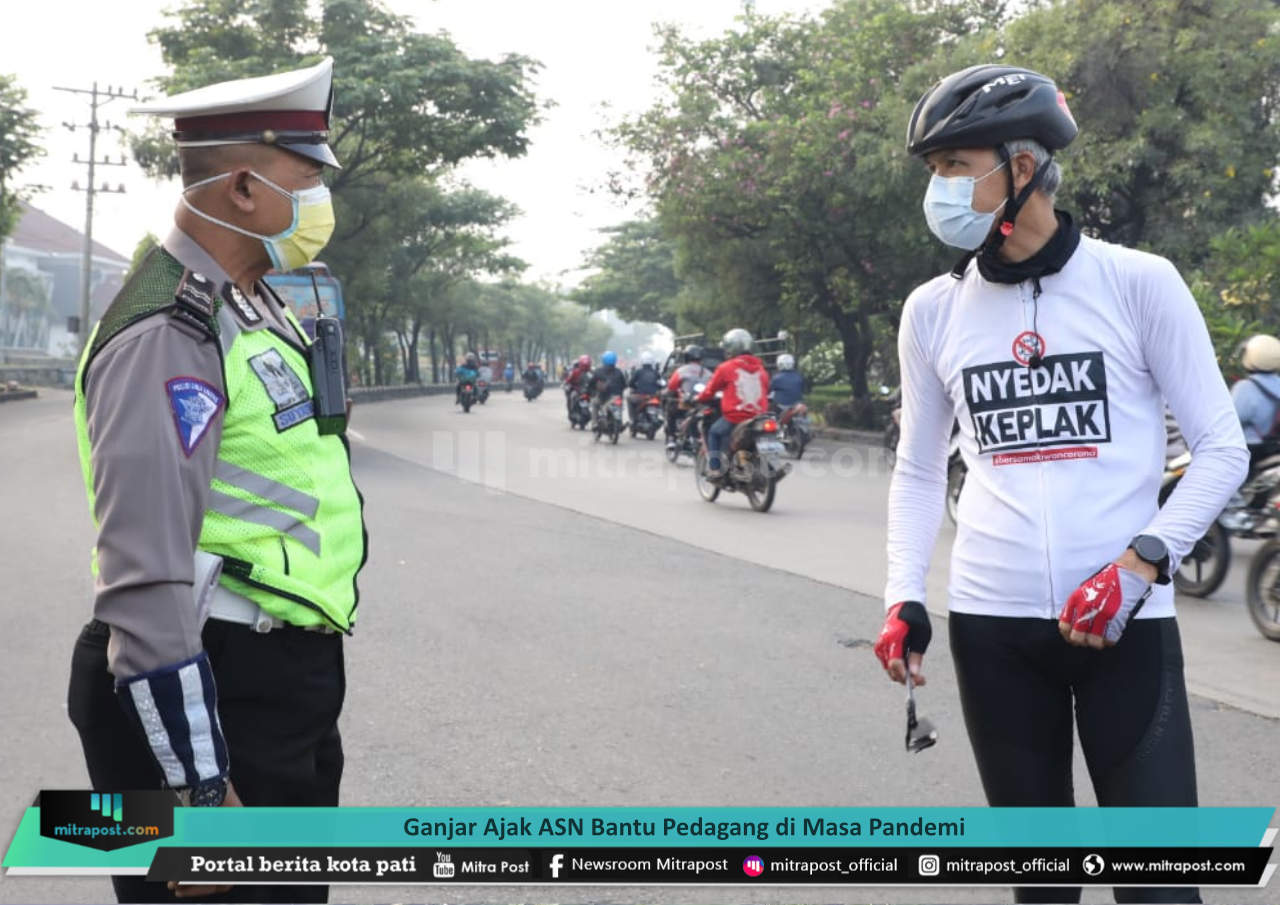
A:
302,240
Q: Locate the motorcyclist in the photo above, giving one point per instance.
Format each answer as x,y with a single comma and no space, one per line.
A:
605,382
575,380
1257,396
467,372
508,374
683,380
644,381
532,374
787,386
745,385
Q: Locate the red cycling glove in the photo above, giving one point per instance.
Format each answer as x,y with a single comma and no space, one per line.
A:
906,623
1103,605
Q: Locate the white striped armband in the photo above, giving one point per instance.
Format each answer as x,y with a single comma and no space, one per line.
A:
177,708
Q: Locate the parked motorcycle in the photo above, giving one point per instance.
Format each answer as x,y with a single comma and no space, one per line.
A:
648,417
580,409
532,391
609,423
482,391
754,457
794,428
467,396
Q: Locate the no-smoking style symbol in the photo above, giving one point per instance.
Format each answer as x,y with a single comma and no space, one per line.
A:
1028,345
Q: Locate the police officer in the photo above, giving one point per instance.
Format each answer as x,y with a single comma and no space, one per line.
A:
230,532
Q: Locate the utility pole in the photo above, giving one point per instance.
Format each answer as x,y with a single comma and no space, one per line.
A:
97,98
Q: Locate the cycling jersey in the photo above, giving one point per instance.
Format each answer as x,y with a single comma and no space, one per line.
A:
1061,428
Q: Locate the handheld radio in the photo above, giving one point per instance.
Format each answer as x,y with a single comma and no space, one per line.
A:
326,370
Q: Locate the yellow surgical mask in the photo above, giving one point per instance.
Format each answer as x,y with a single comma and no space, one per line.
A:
300,242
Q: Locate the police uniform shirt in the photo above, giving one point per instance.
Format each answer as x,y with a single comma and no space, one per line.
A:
151,493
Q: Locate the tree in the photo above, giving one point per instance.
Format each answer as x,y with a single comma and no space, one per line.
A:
404,101
776,163
636,274
19,130
1239,288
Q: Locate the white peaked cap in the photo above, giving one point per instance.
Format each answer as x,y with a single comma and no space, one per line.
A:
288,109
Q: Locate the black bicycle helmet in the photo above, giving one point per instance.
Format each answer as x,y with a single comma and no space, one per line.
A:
985,106
693,353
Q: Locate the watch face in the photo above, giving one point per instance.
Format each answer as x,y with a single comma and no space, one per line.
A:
209,794
1150,549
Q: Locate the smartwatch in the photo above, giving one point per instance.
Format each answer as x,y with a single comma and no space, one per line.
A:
1152,550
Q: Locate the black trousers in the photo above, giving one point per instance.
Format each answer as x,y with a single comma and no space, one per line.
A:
1019,684
279,697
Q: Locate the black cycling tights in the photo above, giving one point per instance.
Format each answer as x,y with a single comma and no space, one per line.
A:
1018,681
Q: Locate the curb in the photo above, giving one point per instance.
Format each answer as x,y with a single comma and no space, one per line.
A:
15,395
863,437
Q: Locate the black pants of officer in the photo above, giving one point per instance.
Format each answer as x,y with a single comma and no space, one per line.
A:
279,697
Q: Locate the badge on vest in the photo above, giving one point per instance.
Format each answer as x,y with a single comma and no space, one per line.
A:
194,404
244,310
292,400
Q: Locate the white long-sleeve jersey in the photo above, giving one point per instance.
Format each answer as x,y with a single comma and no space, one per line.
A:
1064,460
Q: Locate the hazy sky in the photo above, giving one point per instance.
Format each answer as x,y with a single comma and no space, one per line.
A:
594,53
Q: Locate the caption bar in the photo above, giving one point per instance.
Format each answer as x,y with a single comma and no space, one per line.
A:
693,866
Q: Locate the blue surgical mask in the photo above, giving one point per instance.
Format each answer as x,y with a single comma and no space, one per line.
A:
948,209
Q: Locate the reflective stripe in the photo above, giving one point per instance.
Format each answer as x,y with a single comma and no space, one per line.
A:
157,736
261,515
266,488
193,706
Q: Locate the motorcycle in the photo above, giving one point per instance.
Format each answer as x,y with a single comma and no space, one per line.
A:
755,461
794,428
648,417
580,409
609,423
482,391
685,439
532,391
1263,590
467,396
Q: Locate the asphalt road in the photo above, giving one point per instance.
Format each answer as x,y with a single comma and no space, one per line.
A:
547,622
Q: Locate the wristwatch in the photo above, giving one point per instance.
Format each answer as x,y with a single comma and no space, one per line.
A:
1151,549
207,794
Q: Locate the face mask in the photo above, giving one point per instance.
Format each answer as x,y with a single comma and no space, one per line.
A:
302,240
948,209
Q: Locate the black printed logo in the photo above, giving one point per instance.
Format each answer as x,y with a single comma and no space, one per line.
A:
1061,403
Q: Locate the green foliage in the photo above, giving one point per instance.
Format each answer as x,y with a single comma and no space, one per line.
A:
775,161
19,131
636,276
141,250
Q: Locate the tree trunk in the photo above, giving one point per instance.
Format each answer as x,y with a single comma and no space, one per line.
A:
431,348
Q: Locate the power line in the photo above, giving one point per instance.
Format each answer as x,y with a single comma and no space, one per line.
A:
98,97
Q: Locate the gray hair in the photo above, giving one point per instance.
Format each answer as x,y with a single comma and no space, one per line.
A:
1052,179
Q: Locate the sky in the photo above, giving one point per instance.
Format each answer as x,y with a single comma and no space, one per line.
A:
598,67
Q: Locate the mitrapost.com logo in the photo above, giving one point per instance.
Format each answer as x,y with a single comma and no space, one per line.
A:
106,820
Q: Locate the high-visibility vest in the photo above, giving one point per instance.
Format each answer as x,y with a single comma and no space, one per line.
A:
283,511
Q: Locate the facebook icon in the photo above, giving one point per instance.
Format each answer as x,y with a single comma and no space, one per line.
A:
557,862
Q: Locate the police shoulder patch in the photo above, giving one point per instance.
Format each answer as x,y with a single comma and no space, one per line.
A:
194,404
196,292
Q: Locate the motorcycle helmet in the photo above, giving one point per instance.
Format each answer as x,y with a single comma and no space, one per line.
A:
693,353
584,360
786,362
609,359
1261,354
646,359
472,360
736,342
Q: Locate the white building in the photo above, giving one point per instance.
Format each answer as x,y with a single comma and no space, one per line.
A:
40,285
